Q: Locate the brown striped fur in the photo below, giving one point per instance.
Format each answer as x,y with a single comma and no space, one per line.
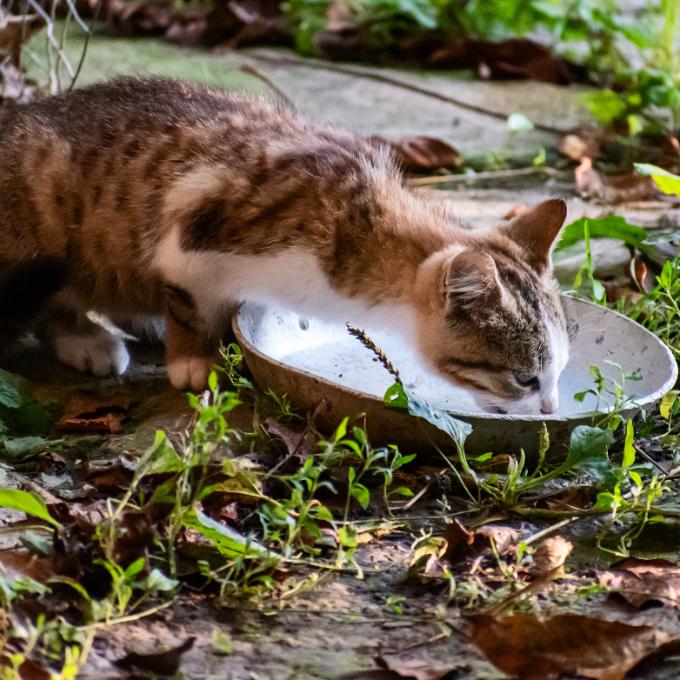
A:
102,176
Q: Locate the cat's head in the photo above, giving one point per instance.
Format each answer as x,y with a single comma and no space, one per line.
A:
491,319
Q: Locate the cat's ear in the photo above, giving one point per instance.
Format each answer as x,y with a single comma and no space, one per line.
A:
536,231
471,279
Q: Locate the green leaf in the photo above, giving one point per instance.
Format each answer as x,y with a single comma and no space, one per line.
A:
610,226
666,181
605,105
403,491
157,581
135,568
588,451
667,403
362,495
396,397
159,458
10,397
27,502
347,536
635,477
19,448
628,446
227,541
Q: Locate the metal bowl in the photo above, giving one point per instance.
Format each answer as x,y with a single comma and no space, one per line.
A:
320,366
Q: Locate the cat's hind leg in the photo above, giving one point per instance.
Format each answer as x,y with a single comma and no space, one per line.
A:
80,343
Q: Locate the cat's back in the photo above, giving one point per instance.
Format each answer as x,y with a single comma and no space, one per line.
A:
106,111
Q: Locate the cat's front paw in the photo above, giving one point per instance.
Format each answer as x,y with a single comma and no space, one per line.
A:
190,373
99,353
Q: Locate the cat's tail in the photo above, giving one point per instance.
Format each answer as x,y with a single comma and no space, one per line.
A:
25,287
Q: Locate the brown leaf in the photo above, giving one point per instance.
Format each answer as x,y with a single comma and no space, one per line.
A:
18,564
299,444
583,142
418,669
550,555
161,663
642,582
615,188
463,543
515,58
15,31
643,278
33,670
420,152
525,646
87,413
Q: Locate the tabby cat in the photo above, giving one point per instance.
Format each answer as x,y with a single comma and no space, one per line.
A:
173,200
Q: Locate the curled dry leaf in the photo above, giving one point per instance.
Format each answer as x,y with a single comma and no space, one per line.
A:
583,142
512,59
420,152
86,413
642,582
15,31
165,663
16,565
417,669
526,646
639,272
613,189
550,556
298,444
463,543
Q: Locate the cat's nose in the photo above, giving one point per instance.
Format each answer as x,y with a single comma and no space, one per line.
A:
549,403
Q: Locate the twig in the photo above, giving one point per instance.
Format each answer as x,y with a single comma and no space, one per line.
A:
252,71
548,530
651,460
396,82
478,176
370,345
308,428
83,53
127,619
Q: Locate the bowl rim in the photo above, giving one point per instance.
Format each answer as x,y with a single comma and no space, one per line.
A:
646,401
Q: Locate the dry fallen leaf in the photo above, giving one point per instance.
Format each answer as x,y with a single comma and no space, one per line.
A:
161,663
613,189
528,647
515,58
299,444
550,556
641,582
463,543
583,142
420,152
418,669
15,31
87,413
15,565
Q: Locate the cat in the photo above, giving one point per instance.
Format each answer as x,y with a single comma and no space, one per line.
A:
178,200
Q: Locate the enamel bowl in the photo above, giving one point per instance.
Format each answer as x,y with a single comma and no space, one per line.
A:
322,368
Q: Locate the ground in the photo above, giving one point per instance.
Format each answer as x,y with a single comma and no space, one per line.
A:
337,625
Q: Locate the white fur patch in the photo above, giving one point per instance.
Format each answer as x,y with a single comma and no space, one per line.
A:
291,278
99,353
559,355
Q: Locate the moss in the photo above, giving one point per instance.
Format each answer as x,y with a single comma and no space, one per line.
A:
108,57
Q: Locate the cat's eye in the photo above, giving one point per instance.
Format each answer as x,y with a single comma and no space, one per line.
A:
527,381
